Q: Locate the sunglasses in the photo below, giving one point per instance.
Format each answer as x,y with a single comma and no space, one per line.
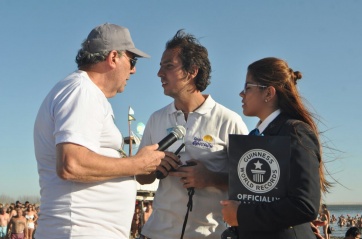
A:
132,61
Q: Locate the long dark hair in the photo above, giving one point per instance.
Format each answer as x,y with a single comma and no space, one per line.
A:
275,72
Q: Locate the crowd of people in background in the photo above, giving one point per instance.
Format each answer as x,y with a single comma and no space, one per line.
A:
348,220
143,210
21,218
18,220
323,225
12,215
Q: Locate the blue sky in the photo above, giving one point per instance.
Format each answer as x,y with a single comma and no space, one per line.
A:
322,39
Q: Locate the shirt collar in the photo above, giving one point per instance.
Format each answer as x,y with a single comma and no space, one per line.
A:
262,125
208,104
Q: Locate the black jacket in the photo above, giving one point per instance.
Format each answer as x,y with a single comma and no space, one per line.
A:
289,217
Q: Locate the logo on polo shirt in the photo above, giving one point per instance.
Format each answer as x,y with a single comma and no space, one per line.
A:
258,171
205,142
208,138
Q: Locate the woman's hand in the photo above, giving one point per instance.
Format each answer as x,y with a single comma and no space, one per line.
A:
229,211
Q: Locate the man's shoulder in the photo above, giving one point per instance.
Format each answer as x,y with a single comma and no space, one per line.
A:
223,107
162,111
223,110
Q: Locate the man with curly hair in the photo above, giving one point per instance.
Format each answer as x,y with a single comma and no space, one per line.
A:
185,72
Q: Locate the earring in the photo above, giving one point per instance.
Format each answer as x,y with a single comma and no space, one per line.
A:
266,100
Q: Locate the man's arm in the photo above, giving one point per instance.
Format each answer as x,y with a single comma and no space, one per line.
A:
6,218
78,163
10,228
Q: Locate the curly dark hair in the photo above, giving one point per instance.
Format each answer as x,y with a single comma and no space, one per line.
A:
192,54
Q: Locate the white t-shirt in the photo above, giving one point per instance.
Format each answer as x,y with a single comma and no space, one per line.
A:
206,139
77,111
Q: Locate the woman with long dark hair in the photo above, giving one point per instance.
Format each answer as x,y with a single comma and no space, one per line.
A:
270,93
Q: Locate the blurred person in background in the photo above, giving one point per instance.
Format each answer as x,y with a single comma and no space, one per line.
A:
353,233
31,218
4,221
18,227
326,217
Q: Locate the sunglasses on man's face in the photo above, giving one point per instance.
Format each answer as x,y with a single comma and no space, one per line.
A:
132,61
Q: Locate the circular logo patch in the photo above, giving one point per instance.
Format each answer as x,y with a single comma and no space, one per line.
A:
258,170
207,138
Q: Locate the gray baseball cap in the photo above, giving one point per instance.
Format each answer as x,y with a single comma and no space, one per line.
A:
108,37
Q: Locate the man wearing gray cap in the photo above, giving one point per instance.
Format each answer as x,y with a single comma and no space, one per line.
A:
88,189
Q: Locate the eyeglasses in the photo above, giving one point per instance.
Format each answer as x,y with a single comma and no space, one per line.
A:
248,85
132,61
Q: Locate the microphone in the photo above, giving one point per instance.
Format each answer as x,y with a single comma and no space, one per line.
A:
177,133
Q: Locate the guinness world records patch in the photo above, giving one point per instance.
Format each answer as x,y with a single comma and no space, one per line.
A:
258,167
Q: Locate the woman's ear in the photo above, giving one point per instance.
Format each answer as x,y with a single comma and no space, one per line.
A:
270,93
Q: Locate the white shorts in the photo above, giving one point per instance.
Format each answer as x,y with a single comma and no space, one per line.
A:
31,225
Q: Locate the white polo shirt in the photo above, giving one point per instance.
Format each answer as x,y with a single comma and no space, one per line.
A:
207,131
